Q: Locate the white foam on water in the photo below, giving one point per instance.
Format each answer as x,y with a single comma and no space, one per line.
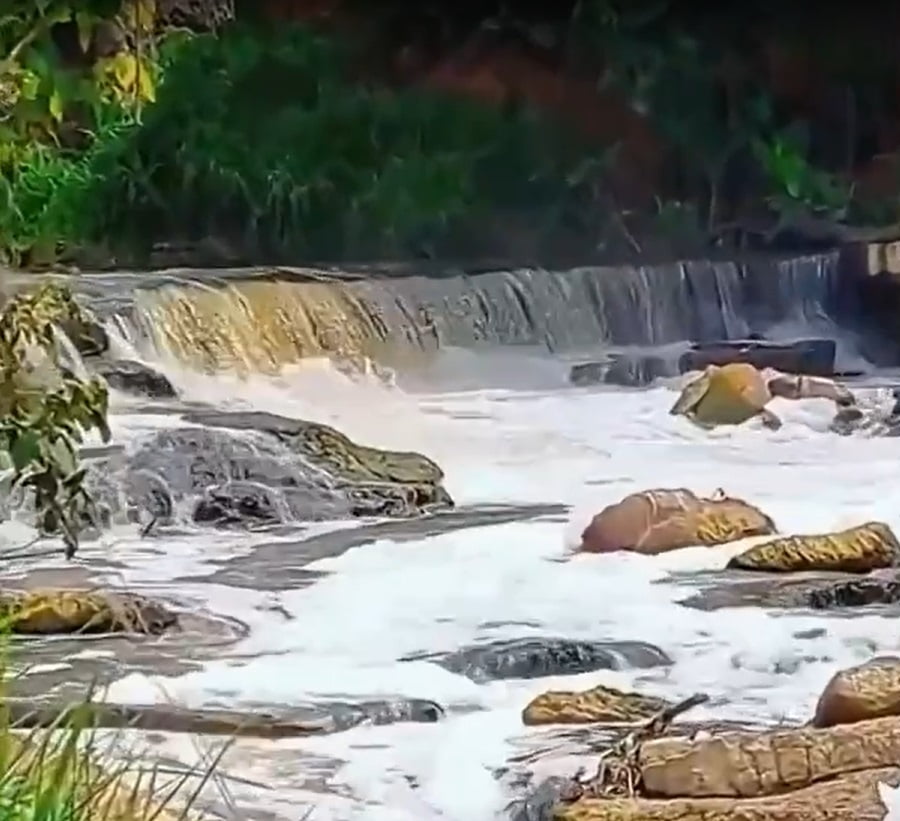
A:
585,448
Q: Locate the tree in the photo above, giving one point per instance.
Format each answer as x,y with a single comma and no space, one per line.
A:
45,411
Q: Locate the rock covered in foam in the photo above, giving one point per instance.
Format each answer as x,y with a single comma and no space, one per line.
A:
869,546
870,690
656,521
539,657
596,705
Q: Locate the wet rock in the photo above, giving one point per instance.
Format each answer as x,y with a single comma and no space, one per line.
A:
377,482
857,550
539,657
809,591
53,611
656,521
867,691
812,357
599,704
624,370
239,503
133,377
319,719
728,395
635,371
749,765
87,335
851,797
588,373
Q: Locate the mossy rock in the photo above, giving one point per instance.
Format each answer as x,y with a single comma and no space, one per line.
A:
870,546
51,611
598,705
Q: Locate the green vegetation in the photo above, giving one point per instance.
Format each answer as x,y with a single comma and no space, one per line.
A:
119,134
44,412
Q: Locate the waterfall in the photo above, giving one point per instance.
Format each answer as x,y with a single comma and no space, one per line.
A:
262,320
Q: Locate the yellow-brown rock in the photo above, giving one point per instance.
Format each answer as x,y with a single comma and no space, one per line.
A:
49,611
851,797
869,546
870,690
724,395
655,521
599,704
748,764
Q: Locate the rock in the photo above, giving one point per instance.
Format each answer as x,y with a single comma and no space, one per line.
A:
851,797
87,335
197,15
857,550
380,482
867,691
624,370
728,395
539,657
811,357
240,503
318,719
52,611
588,373
655,521
246,475
599,704
133,377
810,591
734,393
749,765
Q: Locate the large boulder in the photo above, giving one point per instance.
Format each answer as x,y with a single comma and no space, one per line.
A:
538,657
233,468
857,550
598,705
656,521
867,691
51,611
811,357
727,395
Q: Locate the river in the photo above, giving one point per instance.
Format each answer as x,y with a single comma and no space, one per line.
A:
508,430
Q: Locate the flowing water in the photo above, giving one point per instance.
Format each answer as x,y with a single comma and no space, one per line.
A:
478,383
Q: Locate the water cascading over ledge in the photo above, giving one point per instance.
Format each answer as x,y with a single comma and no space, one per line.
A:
260,320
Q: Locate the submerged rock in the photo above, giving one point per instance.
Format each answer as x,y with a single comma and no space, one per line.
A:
599,704
812,357
53,611
240,503
318,719
539,657
809,591
623,370
867,691
656,521
857,550
133,377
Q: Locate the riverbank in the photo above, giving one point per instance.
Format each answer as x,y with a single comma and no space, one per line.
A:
155,168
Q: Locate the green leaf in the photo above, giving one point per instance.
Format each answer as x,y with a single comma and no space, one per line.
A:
26,450
56,106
